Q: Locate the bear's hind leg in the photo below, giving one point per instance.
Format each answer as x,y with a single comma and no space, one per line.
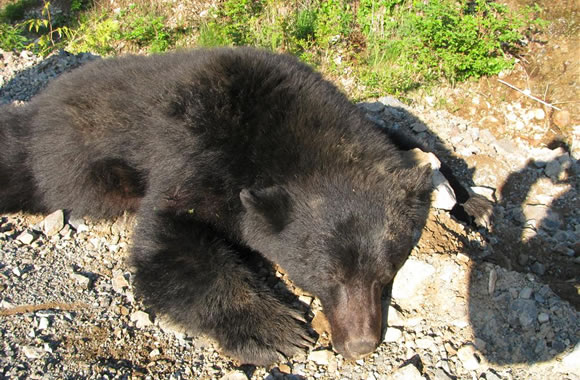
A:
187,272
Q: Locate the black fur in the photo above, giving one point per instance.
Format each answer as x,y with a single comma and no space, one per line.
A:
219,151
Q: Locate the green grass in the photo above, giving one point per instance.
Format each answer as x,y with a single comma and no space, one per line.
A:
386,46
133,28
12,37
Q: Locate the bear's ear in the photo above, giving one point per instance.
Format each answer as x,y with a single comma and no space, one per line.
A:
272,204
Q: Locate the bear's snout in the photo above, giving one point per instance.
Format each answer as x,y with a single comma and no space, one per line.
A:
355,321
359,347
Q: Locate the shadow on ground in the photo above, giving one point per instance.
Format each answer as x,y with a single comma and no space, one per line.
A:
525,236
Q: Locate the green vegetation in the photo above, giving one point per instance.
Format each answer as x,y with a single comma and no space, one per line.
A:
384,45
390,45
134,28
11,37
49,30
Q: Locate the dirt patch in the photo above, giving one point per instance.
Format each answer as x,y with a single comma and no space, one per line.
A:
547,67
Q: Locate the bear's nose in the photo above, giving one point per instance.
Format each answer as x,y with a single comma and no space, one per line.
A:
360,347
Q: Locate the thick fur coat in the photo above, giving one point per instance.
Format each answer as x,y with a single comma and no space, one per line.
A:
220,151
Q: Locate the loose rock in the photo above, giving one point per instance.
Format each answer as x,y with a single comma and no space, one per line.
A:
235,375
467,355
408,372
27,237
321,357
32,352
443,195
53,223
141,319
393,334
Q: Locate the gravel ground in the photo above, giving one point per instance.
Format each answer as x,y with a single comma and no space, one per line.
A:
487,304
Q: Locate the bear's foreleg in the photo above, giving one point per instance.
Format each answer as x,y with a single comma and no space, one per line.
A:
187,272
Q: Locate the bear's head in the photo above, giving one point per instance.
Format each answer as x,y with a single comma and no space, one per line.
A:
342,239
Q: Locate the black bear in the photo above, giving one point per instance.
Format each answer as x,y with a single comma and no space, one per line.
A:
220,151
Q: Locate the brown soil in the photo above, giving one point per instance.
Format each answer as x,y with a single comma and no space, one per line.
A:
548,66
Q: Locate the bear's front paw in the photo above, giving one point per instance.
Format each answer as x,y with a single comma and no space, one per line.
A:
266,335
480,209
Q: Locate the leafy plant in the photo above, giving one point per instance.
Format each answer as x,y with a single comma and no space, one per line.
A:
147,31
49,34
11,37
211,34
334,21
462,42
96,35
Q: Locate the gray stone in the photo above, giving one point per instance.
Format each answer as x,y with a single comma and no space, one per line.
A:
523,312
440,374
553,169
391,102
321,357
543,317
562,248
378,121
408,372
538,268
526,293
491,376
492,281
419,127
373,107
443,197
561,236
551,223
425,343
27,237
141,319
542,156
486,136
83,281
535,213
506,147
119,282
410,277
32,352
394,317
53,223
393,334
78,224
467,355
43,323
234,375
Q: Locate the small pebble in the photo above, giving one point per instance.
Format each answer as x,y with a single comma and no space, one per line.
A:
83,281
53,223
26,237
141,319
321,357
393,334
543,317
526,293
467,356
